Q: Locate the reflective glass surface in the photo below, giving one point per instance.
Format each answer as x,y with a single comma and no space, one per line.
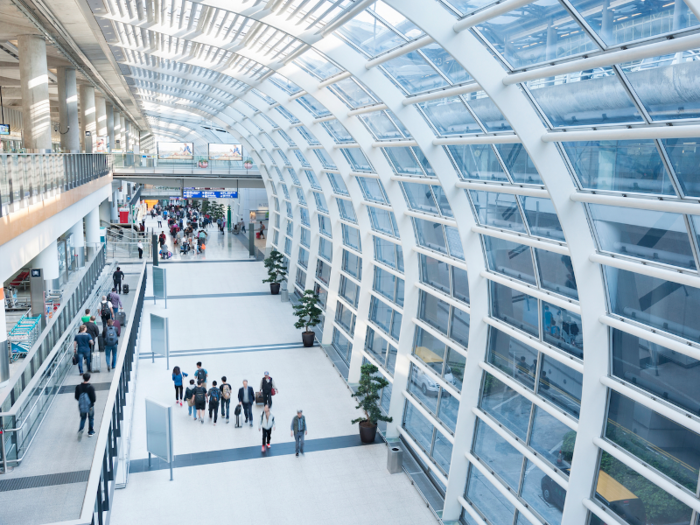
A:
325,249
541,218
388,253
515,308
317,65
562,329
556,273
413,73
488,499
337,183
383,221
372,189
352,264
430,235
684,155
381,126
351,237
504,460
543,494
486,111
420,197
403,161
561,385
513,358
519,164
505,406
388,285
346,210
477,162
349,291
356,159
450,116
552,439
510,259
499,210
352,93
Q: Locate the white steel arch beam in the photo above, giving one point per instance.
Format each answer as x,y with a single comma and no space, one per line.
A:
477,60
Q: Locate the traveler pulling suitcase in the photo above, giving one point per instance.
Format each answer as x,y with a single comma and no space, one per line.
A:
259,399
121,317
125,289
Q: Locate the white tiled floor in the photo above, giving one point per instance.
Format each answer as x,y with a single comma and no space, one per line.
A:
338,486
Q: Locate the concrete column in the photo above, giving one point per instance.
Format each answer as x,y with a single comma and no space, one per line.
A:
34,82
47,260
4,356
101,116
110,125
87,117
122,129
114,210
127,135
117,130
79,242
92,231
68,110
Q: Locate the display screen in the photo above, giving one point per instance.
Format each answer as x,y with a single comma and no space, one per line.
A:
225,152
101,145
175,150
4,129
208,193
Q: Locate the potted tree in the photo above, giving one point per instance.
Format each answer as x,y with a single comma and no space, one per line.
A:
309,316
276,271
368,400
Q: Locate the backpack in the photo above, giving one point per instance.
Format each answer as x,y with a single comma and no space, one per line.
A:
84,403
199,396
201,374
104,310
227,392
111,337
214,396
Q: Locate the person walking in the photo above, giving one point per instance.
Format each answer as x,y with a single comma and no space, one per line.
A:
262,230
139,245
82,345
201,375
161,239
116,301
86,318
267,424
85,396
246,398
111,339
189,397
160,223
299,430
200,401
214,395
225,399
117,277
105,311
178,375
94,332
268,389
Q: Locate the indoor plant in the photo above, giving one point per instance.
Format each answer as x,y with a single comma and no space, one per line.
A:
248,163
309,316
276,271
368,400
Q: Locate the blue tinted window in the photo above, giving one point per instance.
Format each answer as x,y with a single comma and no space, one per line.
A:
370,35
449,116
351,93
519,164
304,216
356,159
504,460
337,183
388,285
490,116
351,237
413,73
388,253
303,258
337,131
509,258
477,162
505,406
420,197
320,201
345,318
403,161
381,126
325,159
515,308
561,385
323,271
514,359
556,273
383,221
443,204
434,312
685,159
372,189
454,243
562,328
536,484
542,218
317,65
312,179
435,273
349,291
342,346
499,210
430,235
346,210
552,439
488,499
324,225
352,264
325,249
305,237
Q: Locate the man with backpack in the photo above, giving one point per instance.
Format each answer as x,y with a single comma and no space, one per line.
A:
189,397
85,396
83,344
200,401
117,277
225,398
105,310
111,339
214,397
113,298
268,389
201,375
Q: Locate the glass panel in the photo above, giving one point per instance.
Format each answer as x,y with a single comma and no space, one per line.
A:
356,159
510,259
372,189
413,73
459,327
430,235
655,439
337,183
513,358
504,460
420,198
519,164
454,243
320,202
542,218
562,329
634,498
537,487
499,210
346,211
317,65
303,257
325,159
487,498
381,314
443,204
305,237
446,63
351,237
435,273
345,318
352,264
477,162
342,346
403,161
460,285
430,350
454,371
381,126
388,253
351,92
684,155
337,131
312,179
556,273
590,97
552,440
561,385
386,284
419,428
515,308
323,271
450,116
324,225
490,116
627,165
325,249
652,235
370,35
505,405
447,410
376,346
442,452
538,32
434,312
424,388
423,161
664,372
664,305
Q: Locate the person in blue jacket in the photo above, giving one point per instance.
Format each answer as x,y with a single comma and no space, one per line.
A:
177,379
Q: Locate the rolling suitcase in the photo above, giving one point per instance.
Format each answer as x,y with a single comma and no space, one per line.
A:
121,317
96,362
125,289
237,413
259,399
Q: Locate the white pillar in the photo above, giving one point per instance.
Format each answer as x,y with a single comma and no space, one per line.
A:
110,125
114,210
34,82
92,230
127,136
79,242
122,132
69,126
101,116
4,356
87,117
47,260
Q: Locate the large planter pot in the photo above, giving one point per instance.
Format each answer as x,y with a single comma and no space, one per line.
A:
275,288
368,432
308,338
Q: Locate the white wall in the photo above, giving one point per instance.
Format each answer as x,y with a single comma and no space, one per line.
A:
248,199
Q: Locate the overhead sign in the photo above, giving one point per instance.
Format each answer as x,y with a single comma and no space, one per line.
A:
225,152
4,129
175,150
208,193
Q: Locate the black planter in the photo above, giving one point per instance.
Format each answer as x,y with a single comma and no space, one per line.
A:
275,288
368,432
308,338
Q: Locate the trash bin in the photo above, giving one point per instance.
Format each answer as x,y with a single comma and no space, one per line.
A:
284,293
394,460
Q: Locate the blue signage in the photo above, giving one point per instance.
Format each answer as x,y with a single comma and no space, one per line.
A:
192,193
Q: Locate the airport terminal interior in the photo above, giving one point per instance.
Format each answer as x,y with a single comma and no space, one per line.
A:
350,261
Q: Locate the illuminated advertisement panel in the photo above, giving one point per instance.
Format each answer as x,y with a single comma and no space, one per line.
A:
225,152
175,150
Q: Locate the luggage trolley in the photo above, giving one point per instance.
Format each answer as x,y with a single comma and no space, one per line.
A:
23,336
